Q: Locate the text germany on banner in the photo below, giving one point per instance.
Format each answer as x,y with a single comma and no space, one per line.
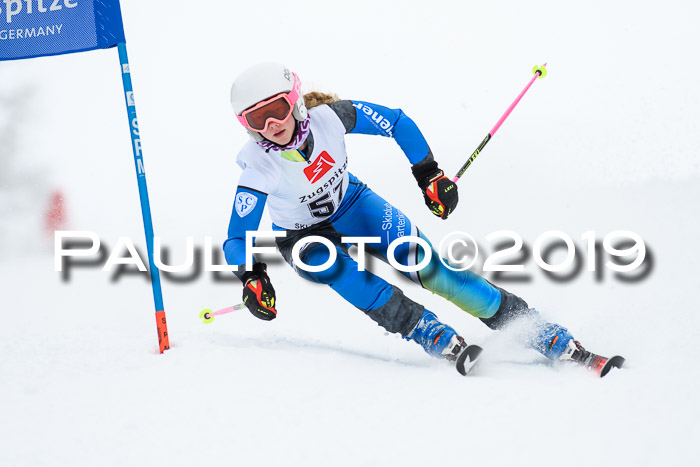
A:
35,28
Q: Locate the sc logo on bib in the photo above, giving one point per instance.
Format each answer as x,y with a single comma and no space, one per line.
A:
245,203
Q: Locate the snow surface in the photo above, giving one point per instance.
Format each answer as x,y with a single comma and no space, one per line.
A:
609,140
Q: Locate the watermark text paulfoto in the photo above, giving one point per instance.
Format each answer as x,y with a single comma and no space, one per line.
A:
621,251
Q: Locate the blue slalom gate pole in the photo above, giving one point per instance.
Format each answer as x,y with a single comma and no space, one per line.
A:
163,340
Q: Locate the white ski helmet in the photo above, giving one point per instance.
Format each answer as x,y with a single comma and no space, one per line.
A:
261,82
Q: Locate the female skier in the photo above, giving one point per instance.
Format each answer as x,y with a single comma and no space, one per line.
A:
296,163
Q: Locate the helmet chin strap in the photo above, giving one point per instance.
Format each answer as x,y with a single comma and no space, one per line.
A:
301,131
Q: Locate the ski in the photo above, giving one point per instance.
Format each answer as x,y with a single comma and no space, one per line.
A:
467,359
600,365
596,363
603,365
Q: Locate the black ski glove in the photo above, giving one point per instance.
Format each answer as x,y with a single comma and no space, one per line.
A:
439,192
258,293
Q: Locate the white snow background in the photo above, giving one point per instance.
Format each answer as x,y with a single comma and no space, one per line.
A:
608,140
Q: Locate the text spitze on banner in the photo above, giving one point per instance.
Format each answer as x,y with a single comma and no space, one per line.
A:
34,28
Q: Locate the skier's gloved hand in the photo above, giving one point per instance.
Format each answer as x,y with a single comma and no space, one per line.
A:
439,192
258,293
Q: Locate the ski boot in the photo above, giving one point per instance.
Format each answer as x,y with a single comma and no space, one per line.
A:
440,340
574,351
556,343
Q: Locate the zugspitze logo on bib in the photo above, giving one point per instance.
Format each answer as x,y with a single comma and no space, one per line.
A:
318,169
245,203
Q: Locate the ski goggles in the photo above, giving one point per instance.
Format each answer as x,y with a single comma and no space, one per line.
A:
277,109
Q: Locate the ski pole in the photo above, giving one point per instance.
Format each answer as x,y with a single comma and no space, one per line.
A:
539,72
207,316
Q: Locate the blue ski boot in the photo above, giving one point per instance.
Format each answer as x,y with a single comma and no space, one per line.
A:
440,340
556,343
550,339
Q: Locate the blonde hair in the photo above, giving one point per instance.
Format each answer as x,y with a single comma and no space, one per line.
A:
315,98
